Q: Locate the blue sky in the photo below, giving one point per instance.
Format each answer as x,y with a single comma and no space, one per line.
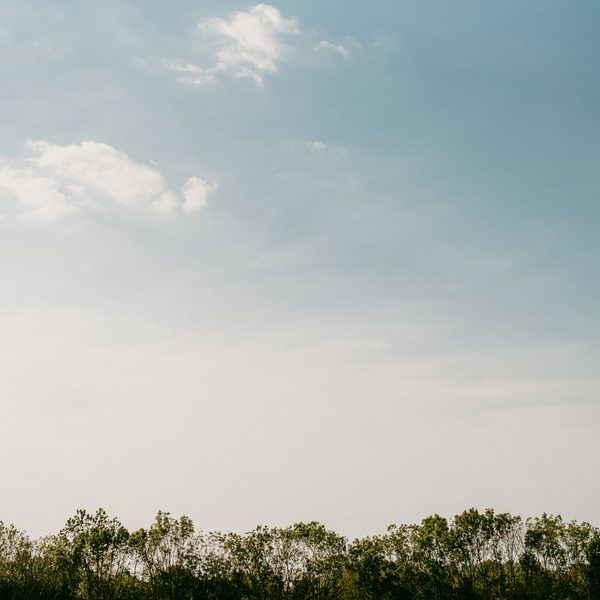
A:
333,261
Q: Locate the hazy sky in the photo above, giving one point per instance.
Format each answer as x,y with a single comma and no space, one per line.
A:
332,260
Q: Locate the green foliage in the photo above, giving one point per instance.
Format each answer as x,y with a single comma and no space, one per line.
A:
475,556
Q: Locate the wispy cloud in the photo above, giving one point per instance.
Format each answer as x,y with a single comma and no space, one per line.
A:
316,145
249,45
326,46
56,181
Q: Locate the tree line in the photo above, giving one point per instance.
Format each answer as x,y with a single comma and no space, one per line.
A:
476,555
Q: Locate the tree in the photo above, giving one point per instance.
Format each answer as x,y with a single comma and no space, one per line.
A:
431,555
91,553
167,556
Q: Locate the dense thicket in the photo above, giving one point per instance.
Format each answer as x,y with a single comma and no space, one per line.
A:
476,555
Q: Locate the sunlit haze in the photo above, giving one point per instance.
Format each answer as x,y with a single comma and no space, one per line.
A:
333,261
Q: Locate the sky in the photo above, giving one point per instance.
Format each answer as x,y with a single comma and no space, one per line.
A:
331,261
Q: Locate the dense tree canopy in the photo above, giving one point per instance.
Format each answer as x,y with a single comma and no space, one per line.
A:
475,555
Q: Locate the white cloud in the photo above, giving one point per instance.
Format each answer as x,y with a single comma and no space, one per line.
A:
55,181
166,204
37,195
328,46
195,193
249,45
